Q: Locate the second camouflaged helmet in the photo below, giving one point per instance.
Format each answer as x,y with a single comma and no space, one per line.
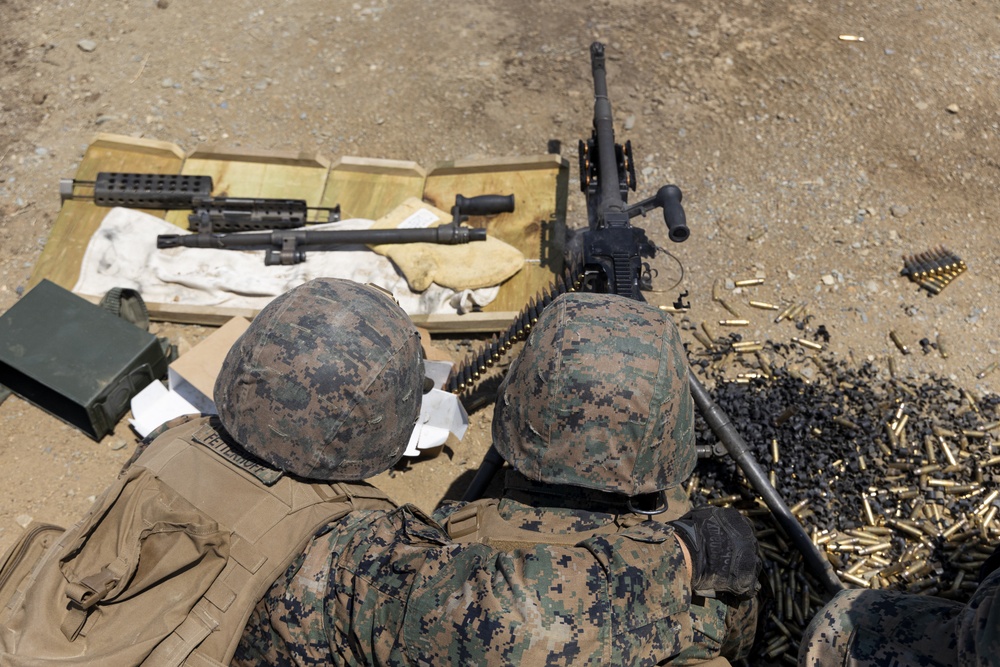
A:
599,398
325,383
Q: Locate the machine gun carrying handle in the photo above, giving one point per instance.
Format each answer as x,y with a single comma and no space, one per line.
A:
485,204
669,198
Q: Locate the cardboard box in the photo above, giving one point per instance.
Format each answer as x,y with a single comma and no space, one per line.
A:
193,375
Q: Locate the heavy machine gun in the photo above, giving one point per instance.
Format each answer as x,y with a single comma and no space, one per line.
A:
612,263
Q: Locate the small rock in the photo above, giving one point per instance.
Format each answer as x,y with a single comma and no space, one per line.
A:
39,98
24,520
86,45
951,108
167,83
101,120
899,210
630,122
117,443
828,279
162,4
41,151
922,106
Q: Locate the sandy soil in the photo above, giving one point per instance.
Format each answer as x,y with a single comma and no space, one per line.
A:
812,161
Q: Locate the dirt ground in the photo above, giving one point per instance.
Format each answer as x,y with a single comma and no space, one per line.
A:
811,161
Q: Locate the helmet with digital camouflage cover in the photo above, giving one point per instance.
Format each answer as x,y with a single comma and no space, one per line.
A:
599,398
325,383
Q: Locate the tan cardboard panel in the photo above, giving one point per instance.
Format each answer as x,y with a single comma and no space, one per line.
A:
370,188
79,219
537,225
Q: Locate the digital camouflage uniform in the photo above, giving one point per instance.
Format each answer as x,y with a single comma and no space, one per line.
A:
873,628
595,411
391,588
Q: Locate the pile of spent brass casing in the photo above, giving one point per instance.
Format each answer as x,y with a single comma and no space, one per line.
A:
896,480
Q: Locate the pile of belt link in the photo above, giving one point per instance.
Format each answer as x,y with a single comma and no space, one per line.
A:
896,480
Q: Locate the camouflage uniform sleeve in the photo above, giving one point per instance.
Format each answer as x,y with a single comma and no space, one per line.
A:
289,626
615,599
655,615
979,625
389,588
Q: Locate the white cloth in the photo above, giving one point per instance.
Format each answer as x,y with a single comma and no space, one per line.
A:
123,253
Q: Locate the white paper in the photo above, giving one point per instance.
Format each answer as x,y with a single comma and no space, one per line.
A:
155,405
441,413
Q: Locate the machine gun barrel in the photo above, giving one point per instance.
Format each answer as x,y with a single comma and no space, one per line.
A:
611,199
289,246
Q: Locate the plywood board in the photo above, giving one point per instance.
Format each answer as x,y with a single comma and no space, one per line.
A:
537,225
370,188
248,173
79,219
364,187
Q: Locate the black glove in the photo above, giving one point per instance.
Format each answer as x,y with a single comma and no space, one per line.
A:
724,554
990,564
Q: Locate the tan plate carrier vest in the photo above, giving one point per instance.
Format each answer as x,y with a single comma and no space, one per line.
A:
170,561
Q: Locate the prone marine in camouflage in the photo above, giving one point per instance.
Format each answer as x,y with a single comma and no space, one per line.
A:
325,383
595,411
872,628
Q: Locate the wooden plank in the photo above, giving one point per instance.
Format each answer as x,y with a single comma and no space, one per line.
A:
247,173
536,227
370,188
79,219
212,316
468,323
215,316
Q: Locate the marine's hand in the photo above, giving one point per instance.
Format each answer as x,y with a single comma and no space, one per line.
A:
724,554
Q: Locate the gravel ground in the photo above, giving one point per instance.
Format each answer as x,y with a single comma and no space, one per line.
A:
812,161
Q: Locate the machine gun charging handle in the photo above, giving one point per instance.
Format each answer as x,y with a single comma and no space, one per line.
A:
669,198
485,204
